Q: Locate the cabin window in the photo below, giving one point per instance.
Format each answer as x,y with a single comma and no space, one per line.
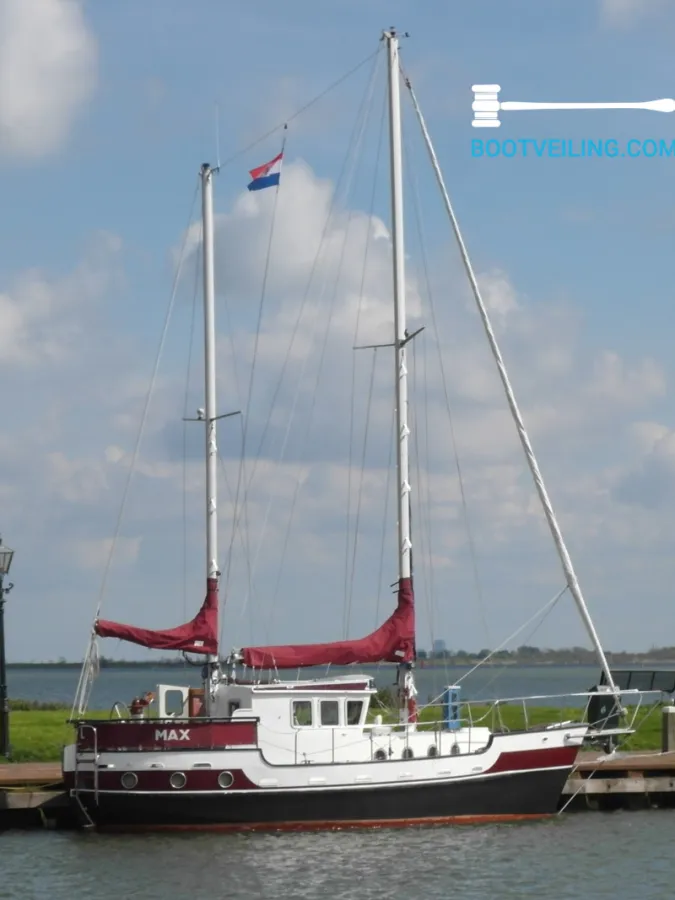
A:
302,713
175,702
232,707
330,712
354,708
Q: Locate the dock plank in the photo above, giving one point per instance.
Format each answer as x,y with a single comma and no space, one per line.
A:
604,786
31,773
644,760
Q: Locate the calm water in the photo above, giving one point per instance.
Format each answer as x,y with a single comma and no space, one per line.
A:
59,684
622,856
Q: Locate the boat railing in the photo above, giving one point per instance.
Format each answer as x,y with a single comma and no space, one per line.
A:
604,712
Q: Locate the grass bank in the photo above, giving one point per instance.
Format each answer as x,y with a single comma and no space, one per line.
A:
38,731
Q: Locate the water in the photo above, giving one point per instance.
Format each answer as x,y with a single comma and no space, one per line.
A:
54,683
622,856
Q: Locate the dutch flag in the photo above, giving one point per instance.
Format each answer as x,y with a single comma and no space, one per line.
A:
266,175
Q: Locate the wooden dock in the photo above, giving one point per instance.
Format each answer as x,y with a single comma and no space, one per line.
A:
621,781
32,795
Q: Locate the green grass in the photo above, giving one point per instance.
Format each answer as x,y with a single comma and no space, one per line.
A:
39,731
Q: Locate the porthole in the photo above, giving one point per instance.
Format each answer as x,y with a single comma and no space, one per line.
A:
454,750
177,780
380,754
129,780
407,753
225,779
433,750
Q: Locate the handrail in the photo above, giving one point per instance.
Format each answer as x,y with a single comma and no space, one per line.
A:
79,751
499,700
164,720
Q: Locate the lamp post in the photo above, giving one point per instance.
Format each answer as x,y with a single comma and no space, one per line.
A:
5,562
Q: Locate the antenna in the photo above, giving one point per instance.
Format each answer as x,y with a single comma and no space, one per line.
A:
217,128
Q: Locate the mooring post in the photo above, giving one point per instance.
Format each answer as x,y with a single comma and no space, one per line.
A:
668,728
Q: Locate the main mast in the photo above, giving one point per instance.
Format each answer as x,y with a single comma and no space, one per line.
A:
212,571
405,680
401,371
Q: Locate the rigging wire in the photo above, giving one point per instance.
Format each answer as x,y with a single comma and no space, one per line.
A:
499,670
90,663
315,262
235,530
360,492
385,518
533,465
371,208
544,611
242,467
302,109
236,524
419,494
365,114
146,407
188,371
451,422
298,319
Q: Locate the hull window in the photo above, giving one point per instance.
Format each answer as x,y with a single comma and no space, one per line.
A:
226,779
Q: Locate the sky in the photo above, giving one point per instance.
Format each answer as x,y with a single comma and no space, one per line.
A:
107,110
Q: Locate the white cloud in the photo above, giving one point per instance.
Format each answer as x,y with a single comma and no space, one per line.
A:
624,13
40,317
47,74
94,553
498,294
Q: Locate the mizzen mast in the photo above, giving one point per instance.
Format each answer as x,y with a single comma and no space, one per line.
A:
209,412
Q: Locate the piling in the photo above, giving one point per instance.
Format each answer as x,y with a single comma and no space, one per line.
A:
667,729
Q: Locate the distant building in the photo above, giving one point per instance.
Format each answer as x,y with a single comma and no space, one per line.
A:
439,647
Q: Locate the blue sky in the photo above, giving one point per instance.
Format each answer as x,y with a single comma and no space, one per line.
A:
106,113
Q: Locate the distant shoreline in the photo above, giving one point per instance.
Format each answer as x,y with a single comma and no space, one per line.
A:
542,659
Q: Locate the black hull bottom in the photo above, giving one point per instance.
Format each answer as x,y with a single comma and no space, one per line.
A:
518,795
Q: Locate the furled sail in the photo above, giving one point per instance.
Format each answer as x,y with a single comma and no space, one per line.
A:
393,641
197,636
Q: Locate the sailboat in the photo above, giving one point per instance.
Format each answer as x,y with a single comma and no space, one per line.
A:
247,753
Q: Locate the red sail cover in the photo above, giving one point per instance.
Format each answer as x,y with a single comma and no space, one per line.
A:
197,636
394,641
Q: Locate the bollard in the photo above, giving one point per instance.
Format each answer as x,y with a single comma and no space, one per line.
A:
667,729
